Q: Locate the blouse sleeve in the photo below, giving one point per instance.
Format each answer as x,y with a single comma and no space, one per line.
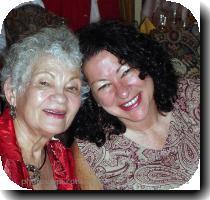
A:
189,98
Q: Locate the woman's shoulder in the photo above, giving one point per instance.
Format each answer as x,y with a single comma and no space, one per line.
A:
188,94
186,113
189,86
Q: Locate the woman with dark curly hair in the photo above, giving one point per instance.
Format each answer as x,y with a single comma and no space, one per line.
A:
144,120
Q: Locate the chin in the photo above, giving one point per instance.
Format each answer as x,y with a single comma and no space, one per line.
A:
54,131
137,117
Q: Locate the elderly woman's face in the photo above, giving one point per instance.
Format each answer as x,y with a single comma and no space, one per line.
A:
118,88
52,98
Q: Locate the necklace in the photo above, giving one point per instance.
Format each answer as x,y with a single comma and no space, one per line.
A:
34,172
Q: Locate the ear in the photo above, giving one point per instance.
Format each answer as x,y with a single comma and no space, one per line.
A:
9,92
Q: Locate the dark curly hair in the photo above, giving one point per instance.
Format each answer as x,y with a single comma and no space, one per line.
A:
94,124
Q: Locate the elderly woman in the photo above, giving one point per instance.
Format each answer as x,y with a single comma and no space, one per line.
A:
41,82
21,21
145,121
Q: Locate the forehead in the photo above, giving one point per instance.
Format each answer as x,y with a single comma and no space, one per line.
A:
104,57
101,62
50,63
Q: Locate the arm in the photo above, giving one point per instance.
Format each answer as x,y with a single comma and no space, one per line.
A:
87,178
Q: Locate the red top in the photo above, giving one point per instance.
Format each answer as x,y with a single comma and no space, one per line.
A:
61,158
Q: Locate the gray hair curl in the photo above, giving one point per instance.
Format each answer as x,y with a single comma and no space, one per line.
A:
59,42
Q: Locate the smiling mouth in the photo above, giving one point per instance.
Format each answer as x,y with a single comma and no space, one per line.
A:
133,103
55,113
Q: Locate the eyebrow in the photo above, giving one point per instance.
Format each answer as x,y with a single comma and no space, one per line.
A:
98,81
74,77
119,68
43,72
53,76
117,71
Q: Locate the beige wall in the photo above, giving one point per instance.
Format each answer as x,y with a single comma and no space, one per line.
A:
138,7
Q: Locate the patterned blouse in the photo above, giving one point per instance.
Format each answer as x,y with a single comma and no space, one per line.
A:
121,164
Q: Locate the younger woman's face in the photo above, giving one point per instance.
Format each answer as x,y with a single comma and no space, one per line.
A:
118,88
52,98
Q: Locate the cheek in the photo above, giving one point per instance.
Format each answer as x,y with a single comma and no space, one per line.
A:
134,80
39,96
30,98
39,99
74,103
149,85
35,100
105,100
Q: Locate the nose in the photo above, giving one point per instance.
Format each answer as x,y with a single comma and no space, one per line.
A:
122,91
59,96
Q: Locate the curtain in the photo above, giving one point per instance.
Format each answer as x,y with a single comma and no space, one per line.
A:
127,10
77,12
109,9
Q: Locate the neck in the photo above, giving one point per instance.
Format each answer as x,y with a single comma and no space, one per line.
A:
154,137
30,143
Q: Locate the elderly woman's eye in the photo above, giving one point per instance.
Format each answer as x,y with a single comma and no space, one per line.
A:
44,83
73,89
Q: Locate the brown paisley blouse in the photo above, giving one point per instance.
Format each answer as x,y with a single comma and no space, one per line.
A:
121,164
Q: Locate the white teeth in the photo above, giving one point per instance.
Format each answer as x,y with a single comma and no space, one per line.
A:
133,101
53,112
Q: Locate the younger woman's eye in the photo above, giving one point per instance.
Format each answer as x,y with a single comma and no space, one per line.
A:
125,72
104,86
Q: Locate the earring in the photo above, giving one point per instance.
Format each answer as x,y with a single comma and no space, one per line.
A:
12,112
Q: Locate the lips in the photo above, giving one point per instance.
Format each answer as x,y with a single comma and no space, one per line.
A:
131,104
58,114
